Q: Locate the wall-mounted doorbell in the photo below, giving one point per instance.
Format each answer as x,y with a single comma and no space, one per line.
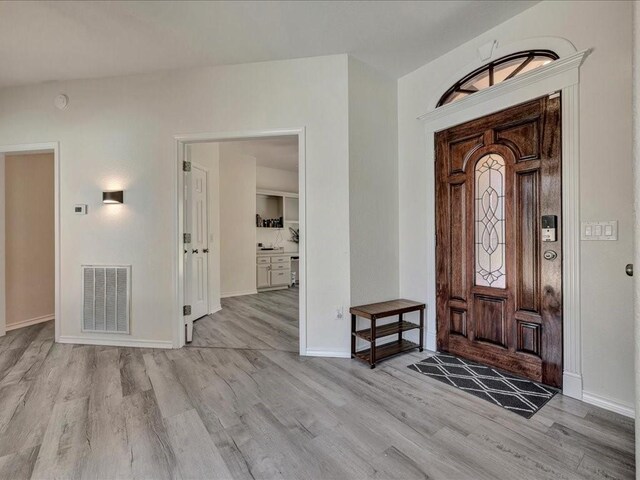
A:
80,209
549,228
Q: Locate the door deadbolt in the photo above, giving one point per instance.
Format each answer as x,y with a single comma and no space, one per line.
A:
550,255
629,269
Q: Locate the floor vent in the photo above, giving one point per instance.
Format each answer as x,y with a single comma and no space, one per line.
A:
106,292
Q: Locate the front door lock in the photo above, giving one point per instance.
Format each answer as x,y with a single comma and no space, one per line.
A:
550,255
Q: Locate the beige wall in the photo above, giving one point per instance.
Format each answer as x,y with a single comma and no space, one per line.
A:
276,179
237,222
30,242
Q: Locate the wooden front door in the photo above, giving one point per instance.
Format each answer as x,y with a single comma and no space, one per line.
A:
499,282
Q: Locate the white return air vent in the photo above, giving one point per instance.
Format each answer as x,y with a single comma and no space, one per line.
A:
106,293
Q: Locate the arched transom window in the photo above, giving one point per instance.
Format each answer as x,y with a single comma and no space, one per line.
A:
496,72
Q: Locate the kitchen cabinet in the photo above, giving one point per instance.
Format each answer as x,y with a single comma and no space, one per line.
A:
263,276
277,210
273,272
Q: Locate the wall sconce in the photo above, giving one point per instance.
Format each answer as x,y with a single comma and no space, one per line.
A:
113,197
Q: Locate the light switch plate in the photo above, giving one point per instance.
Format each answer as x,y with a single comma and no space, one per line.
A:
600,231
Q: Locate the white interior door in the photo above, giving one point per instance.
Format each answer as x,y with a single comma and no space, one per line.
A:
196,252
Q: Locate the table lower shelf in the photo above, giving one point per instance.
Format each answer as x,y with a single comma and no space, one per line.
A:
386,330
386,350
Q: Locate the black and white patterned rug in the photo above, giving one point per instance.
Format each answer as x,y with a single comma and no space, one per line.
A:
519,395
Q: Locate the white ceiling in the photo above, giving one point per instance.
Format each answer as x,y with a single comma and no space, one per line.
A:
274,152
61,40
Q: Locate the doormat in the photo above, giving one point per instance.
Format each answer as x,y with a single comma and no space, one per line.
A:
516,394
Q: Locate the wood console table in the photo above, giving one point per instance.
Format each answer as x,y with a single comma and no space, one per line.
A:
375,311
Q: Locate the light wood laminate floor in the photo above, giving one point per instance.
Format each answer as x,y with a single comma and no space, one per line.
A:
244,405
266,321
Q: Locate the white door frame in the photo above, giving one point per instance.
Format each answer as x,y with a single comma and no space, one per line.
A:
32,148
559,75
181,142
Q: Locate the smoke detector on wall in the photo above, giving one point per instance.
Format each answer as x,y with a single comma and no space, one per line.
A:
61,102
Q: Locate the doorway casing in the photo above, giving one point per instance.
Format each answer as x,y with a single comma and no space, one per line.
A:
51,147
181,142
560,75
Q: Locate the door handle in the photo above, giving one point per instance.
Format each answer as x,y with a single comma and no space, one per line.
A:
629,269
194,251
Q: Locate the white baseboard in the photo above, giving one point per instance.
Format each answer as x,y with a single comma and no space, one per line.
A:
431,341
115,342
572,385
607,404
238,294
31,321
327,353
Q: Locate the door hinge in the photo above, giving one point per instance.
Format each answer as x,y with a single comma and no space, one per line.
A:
186,166
186,238
186,310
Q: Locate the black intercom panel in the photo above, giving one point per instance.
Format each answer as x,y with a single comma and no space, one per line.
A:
549,228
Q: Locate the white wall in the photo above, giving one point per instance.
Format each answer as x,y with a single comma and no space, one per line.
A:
277,239
119,133
636,192
373,185
237,223
276,179
605,175
208,156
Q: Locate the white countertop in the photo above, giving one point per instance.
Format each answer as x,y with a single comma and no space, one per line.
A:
277,252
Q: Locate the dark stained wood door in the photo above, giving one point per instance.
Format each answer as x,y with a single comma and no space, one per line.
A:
499,298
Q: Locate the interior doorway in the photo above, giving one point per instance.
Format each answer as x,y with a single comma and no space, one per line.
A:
29,237
499,237
241,223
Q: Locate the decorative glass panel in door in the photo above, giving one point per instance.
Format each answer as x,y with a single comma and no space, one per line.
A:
490,221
